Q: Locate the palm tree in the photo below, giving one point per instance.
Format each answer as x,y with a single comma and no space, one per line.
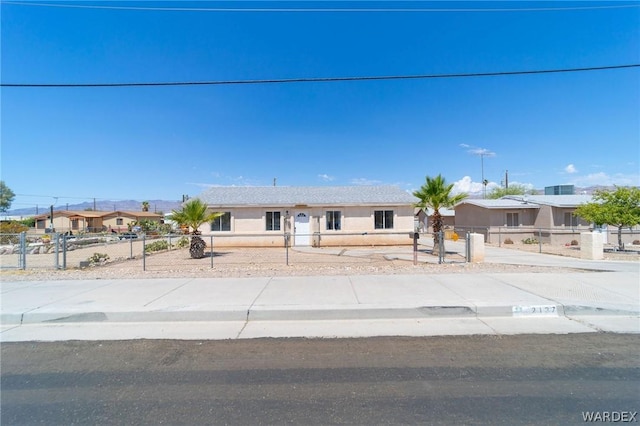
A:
145,206
193,214
436,194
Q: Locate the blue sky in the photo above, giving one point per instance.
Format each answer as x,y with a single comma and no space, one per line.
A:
67,145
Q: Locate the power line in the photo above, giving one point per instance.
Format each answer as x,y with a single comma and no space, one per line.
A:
315,10
316,79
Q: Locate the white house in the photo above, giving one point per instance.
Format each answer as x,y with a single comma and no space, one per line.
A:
317,215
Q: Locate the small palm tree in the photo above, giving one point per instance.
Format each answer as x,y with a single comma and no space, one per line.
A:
145,206
436,194
192,215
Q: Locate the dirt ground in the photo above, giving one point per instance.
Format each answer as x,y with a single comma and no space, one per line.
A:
252,262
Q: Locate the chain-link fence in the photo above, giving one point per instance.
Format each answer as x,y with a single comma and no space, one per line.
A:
158,252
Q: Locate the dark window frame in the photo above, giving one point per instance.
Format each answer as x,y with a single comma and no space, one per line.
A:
222,223
272,220
383,219
333,220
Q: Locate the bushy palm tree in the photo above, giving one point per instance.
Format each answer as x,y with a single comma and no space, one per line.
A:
436,194
192,215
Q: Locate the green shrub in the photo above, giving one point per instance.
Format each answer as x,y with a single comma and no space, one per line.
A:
183,242
530,241
98,258
157,246
12,227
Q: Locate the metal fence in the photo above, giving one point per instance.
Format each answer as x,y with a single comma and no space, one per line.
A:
63,251
559,236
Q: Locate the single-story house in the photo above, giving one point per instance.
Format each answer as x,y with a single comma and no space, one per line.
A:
92,221
425,224
310,216
546,218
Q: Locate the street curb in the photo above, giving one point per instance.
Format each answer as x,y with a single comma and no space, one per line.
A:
307,313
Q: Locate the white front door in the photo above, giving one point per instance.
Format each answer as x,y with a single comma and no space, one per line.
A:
301,232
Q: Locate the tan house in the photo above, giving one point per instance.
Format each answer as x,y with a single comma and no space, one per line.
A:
92,221
310,216
546,218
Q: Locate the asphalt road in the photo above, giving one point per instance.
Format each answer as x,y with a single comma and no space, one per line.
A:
514,380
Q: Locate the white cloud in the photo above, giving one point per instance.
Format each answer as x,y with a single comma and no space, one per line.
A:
325,177
571,169
467,186
604,179
365,181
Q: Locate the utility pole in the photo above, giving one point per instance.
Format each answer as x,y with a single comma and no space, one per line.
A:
506,179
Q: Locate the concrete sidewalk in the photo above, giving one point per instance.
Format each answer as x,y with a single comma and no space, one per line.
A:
591,296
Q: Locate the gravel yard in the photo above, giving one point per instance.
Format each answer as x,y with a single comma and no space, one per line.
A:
251,262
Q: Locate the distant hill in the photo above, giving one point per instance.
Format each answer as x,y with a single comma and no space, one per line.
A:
165,206
155,206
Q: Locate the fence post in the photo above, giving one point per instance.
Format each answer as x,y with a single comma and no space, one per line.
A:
441,247
415,247
64,253
23,251
467,247
144,252
539,240
286,247
211,251
56,250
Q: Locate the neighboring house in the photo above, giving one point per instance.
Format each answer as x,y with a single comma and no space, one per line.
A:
424,219
318,216
92,221
547,218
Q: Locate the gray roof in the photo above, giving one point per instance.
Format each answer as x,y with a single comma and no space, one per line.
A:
244,196
500,203
559,200
531,201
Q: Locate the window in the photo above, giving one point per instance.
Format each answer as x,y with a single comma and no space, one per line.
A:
273,221
222,223
383,219
513,219
333,220
75,224
119,221
570,219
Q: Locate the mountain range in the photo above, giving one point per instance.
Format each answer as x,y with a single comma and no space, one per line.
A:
164,206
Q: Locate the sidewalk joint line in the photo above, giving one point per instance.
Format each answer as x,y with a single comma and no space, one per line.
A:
167,293
246,321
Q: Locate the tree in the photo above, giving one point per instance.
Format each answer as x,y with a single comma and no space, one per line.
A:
619,207
192,215
145,206
436,194
6,197
516,189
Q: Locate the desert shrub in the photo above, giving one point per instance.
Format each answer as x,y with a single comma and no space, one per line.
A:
574,242
183,242
157,246
636,242
98,258
530,241
508,241
12,227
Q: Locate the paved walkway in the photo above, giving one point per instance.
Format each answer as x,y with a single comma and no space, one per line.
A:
591,296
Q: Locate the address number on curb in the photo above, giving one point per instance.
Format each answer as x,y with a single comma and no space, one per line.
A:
535,310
